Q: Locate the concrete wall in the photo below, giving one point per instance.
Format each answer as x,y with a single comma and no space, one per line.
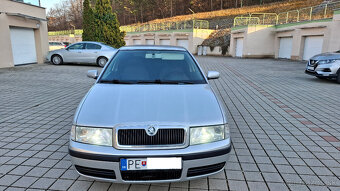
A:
257,41
299,34
6,21
65,38
195,37
264,41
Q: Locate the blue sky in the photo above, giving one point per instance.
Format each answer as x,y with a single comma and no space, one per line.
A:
49,3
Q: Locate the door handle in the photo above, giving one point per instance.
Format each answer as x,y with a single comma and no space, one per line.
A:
95,52
79,52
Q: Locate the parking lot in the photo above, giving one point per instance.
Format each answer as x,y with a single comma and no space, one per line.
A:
285,128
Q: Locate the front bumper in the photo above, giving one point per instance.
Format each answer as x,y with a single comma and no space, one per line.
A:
197,161
321,74
322,70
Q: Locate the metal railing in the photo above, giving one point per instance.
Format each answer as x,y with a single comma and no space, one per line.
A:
243,21
190,24
322,11
66,32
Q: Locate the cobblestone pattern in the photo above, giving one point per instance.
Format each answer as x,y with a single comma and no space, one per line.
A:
285,128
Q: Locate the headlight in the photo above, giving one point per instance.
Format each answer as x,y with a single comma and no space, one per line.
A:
91,135
208,134
327,61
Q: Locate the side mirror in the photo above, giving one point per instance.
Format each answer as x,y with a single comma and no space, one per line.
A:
213,75
92,74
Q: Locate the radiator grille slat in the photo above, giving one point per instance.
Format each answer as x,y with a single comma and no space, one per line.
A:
139,137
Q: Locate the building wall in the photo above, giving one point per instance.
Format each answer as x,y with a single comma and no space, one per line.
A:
6,21
199,35
157,36
195,37
257,41
264,41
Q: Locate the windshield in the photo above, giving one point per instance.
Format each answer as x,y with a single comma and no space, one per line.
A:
152,67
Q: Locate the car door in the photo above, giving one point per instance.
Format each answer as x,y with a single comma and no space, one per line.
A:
75,53
91,52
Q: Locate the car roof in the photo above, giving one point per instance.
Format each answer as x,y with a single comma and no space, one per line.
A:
152,47
90,42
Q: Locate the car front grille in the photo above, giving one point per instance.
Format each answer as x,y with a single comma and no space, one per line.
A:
147,175
140,137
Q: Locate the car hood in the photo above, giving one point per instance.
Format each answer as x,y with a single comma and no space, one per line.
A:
109,105
326,56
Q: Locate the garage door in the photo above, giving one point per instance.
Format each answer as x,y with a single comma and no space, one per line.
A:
23,46
150,41
183,43
285,50
137,42
239,47
164,41
313,46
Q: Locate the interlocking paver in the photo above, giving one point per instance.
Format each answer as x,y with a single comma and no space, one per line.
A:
217,184
43,183
8,180
61,184
25,181
99,186
80,185
283,125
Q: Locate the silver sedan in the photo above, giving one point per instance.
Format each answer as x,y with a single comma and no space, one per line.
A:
151,116
82,52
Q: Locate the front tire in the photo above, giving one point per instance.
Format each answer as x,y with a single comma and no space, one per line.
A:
101,61
56,60
338,78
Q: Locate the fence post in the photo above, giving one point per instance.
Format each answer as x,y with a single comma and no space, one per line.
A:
287,17
264,15
277,19
311,12
324,16
298,16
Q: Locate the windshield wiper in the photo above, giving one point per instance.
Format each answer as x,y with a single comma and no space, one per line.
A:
149,82
164,82
117,82
146,82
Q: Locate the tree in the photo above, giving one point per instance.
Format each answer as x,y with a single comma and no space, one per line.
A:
88,22
106,28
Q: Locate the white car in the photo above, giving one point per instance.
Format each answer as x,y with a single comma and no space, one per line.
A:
325,66
56,45
82,52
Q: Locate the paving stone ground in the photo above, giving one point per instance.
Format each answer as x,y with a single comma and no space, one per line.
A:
285,128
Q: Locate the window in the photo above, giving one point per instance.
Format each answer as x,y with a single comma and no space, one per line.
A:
152,67
77,46
92,46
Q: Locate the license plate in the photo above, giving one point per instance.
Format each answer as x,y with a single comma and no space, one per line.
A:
150,163
310,68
